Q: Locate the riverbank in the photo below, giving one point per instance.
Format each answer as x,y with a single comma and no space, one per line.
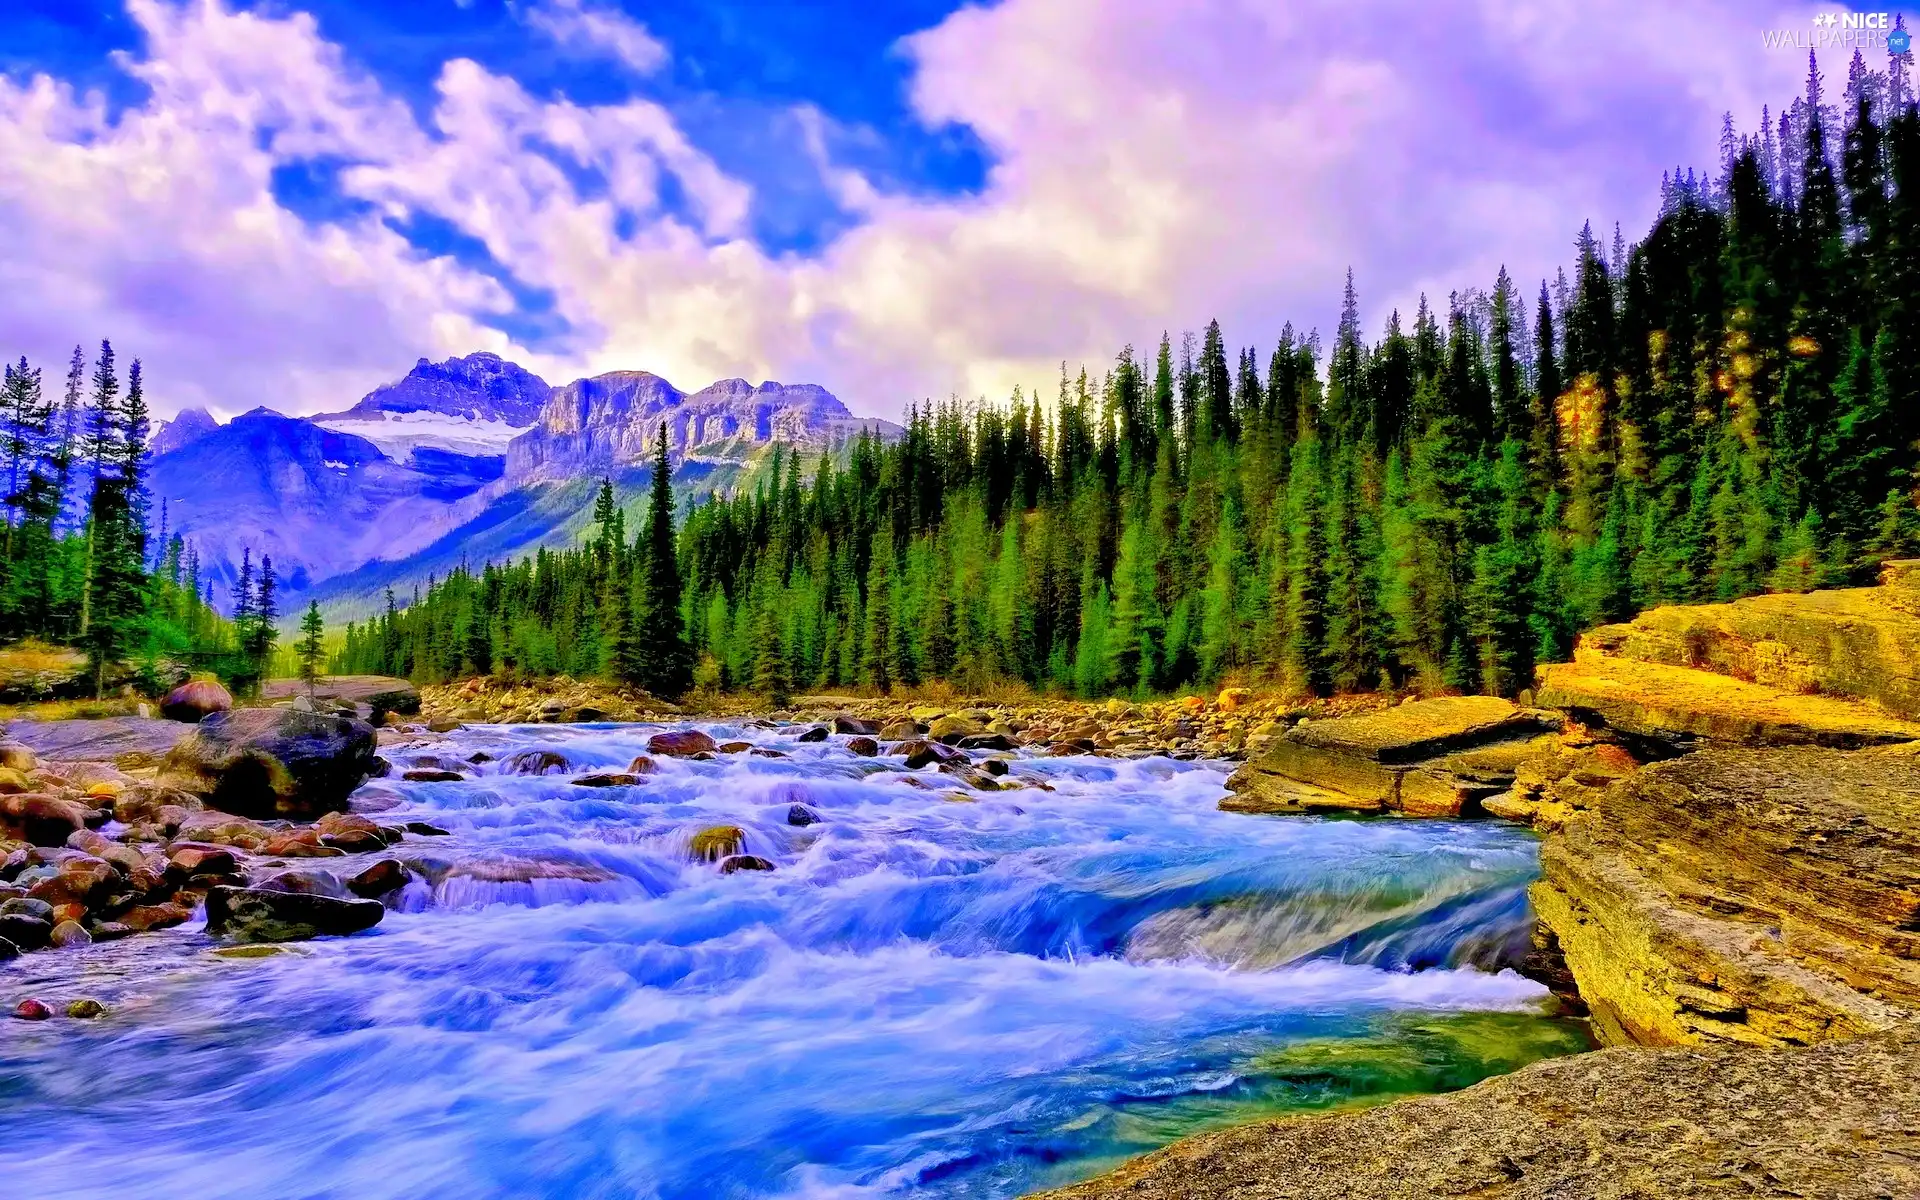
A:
1728,798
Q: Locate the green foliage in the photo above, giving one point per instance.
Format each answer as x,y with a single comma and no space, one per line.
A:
1731,405
79,566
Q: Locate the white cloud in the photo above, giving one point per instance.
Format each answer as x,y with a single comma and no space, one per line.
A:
1154,164
591,30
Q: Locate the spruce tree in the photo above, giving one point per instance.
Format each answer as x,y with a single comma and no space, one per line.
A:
665,656
312,647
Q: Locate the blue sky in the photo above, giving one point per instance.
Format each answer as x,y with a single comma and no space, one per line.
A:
289,202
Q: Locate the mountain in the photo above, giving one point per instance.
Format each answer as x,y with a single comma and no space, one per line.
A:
604,424
472,406
462,460
188,425
319,501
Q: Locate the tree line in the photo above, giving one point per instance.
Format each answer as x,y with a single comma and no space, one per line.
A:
82,565
1728,406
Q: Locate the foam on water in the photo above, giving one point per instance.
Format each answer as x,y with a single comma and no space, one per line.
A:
926,996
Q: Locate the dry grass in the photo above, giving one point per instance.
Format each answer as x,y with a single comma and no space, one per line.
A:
31,655
69,710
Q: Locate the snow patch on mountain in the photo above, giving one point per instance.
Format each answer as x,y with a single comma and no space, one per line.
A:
474,433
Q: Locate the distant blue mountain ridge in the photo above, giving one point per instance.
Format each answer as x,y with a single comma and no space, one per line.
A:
462,460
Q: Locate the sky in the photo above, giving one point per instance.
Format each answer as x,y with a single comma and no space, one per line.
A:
287,203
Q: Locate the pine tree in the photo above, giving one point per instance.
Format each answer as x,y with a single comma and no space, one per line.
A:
312,647
665,655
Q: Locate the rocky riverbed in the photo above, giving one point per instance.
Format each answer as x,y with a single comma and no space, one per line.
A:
746,957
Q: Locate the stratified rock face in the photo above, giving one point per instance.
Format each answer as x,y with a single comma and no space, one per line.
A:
1428,758
609,422
272,762
1766,897
1836,1121
1858,642
1680,705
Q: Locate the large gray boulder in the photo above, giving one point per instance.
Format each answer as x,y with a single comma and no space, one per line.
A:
273,762
261,915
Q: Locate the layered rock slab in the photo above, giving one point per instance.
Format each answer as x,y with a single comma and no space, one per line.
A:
1840,1120
127,742
1681,706
1764,897
1858,642
1425,758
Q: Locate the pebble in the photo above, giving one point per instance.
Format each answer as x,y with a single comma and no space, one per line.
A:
31,1010
86,1009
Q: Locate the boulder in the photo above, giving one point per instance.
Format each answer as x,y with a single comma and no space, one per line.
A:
744,862
717,842
142,917
195,699
816,734
45,820
642,765
68,934
800,816
27,933
846,723
987,741
1412,758
273,762
681,743
259,915
922,753
377,880
952,728
432,775
1765,897
865,747
18,756
1678,706
606,779
32,1010
306,881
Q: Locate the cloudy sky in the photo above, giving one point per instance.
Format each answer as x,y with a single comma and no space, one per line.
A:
286,203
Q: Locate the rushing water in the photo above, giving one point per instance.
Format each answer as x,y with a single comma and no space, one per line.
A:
926,997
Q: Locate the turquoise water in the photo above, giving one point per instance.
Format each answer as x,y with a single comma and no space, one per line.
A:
925,997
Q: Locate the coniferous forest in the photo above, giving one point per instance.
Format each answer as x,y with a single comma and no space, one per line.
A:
81,564
1728,406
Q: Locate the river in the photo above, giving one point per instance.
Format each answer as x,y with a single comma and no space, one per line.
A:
924,997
